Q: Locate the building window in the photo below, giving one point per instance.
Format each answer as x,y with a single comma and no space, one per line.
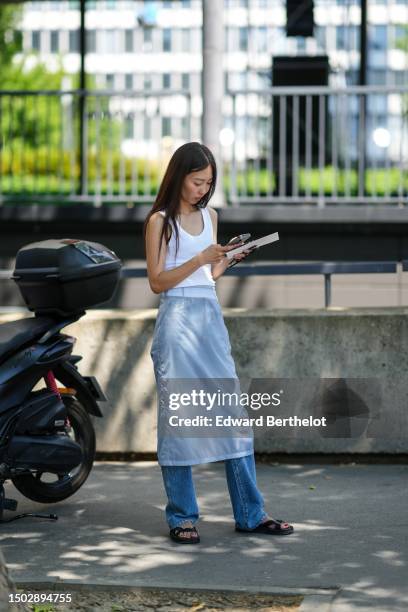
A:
185,40
226,81
166,39
73,41
128,81
185,81
54,41
35,40
238,80
320,36
166,126
354,38
243,39
166,81
129,128
347,38
378,37
237,3
128,41
110,41
301,43
399,77
110,81
147,35
352,77
91,41
147,83
377,77
377,106
341,37
227,36
278,40
262,39
147,129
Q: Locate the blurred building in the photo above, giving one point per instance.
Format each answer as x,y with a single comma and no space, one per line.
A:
140,35
144,45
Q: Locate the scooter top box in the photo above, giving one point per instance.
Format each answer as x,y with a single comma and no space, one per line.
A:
66,276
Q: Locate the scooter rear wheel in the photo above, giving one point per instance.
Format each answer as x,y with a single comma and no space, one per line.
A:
39,487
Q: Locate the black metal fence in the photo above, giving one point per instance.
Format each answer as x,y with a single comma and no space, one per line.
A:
326,269
315,145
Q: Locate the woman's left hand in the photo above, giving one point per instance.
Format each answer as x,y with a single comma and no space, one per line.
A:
243,255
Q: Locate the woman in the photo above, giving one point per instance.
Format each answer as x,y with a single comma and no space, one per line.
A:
191,342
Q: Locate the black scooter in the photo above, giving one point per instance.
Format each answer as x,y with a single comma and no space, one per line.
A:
47,439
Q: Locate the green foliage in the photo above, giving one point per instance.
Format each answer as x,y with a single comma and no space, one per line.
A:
26,121
328,181
22,74
402,41
10,37
54,171
16,69
57,172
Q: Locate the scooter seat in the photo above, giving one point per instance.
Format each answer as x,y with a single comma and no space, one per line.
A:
16,334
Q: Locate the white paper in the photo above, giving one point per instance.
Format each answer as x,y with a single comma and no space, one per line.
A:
254,243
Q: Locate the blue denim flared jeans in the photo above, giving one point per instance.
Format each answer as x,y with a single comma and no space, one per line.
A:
246,499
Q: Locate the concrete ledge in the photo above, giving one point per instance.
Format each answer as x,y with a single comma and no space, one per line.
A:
287,344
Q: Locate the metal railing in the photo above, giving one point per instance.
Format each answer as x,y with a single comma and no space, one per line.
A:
89,146
315,145
318,145
325,268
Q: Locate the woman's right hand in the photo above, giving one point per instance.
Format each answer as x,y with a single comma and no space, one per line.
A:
213,254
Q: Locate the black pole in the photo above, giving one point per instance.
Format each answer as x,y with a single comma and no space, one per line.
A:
81,101
363,44
363,100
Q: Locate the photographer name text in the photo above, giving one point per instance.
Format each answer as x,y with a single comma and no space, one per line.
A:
227,421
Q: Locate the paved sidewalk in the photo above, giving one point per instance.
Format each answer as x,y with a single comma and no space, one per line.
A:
349,547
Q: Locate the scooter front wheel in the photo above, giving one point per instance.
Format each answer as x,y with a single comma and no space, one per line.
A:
44,487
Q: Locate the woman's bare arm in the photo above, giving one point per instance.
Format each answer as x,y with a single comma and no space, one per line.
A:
217,269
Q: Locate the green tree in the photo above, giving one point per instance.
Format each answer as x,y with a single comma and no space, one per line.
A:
10,37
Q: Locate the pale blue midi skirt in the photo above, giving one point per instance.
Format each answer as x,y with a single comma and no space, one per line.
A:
191,341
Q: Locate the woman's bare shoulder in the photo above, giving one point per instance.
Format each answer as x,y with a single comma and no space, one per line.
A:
213,212
157,219
156,223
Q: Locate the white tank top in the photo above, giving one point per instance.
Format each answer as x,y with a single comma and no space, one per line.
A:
189,246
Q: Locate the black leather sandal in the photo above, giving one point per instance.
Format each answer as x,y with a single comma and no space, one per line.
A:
265,528
174,534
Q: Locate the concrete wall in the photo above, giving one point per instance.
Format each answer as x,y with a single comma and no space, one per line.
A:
301,345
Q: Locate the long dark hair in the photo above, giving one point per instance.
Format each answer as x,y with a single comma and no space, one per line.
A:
190,157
